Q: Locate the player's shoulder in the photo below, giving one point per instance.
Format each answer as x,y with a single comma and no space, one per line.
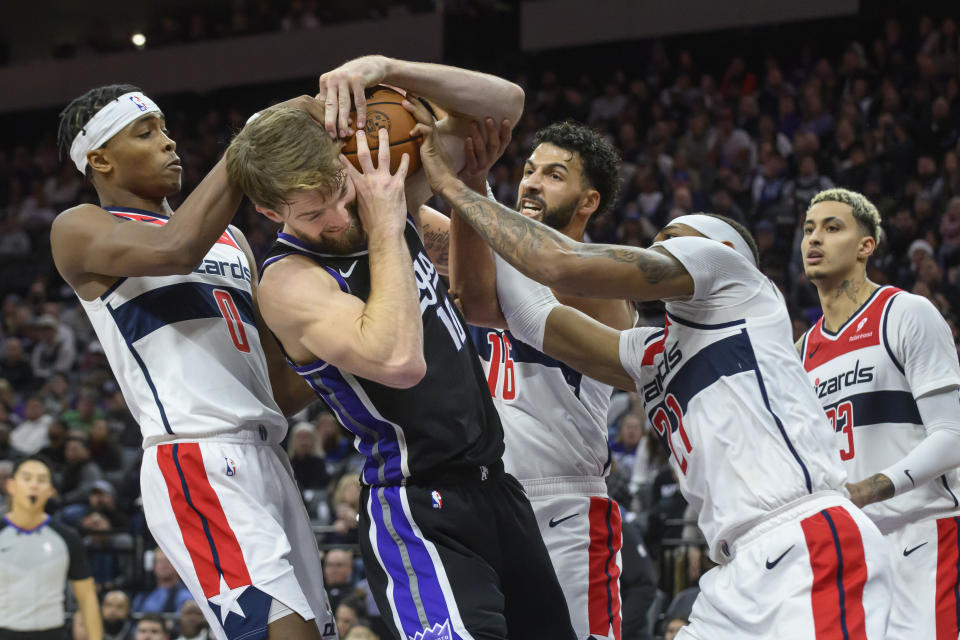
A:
289,277
82,214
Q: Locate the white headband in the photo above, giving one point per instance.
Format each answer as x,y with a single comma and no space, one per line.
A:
107,123
717,229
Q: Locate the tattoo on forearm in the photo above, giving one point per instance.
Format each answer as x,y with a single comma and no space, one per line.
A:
522,241
437,243
880,487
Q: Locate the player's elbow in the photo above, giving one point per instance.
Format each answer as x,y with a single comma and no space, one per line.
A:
404,373
514,103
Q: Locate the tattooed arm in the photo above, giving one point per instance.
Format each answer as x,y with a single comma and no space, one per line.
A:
564,265
435,230
546,255
876,488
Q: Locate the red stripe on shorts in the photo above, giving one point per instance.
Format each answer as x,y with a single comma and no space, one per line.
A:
209,539
948,607
834,545
603,595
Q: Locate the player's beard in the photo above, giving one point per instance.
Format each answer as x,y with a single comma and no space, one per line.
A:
353,239
557,217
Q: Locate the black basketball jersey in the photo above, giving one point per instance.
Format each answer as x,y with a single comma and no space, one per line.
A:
447,420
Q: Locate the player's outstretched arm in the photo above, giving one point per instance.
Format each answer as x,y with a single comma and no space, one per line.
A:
460,92
88,241
547,256
567,334
382,339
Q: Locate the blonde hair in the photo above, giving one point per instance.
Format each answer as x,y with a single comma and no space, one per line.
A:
281,151
864,211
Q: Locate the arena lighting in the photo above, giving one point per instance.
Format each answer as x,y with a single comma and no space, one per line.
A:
138,40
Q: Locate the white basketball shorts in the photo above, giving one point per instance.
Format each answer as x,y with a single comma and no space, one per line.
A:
926,588
228,515
581,528
818,569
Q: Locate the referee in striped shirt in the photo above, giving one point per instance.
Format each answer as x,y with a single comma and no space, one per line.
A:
37,557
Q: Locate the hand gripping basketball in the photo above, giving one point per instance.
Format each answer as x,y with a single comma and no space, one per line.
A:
381,203
434,159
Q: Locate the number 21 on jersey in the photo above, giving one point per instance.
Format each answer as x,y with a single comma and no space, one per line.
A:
662,423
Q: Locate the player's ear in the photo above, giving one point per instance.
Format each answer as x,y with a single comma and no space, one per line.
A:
99,160
270,214
867,246
590,201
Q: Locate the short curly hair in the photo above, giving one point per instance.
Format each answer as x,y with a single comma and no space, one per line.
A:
601,161
78,113
864,211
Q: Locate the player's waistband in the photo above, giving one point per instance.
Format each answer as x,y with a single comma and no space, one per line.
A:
586,486
789,512
455,474
255,434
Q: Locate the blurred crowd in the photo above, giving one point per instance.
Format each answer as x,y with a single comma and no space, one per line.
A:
755,140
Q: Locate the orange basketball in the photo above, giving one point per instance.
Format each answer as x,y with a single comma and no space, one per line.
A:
385,111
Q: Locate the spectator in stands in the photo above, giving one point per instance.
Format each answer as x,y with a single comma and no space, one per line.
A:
31,435
80,472
192,625
624,447
152,626
350,610
56,394
6,470
345,506
81,418
309,467
103,448
335,446
6,450
54,351
56,449
115,612
338,575
14,367
169,594
361,631
673,627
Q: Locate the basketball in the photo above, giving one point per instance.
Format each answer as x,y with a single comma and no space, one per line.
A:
385,111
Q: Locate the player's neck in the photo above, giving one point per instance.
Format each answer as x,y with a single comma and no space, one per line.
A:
112,197
842,298
26,520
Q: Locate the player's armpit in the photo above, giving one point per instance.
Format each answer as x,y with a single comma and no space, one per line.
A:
315,320
592,348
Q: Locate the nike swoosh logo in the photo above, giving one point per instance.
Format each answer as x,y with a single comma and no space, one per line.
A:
912,481
907,552
812,353
554,523
771,565
346,274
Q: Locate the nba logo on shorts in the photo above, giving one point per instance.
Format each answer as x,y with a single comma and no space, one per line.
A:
437,499
139,102
263,432
231,467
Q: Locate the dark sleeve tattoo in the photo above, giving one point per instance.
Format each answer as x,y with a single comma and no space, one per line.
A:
437,244
528,245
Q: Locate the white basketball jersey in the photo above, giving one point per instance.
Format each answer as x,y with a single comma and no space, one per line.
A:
185,348
895,348
554,418
723,389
